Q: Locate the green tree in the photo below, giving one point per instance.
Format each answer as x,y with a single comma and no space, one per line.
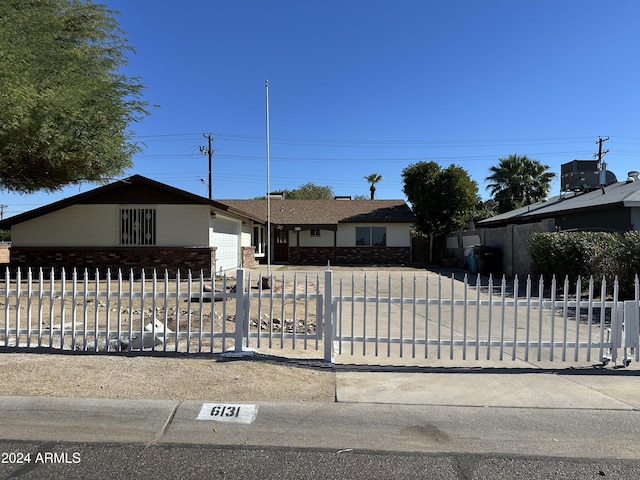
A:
309,191
484,210
518,181
373,179
65,105
443,200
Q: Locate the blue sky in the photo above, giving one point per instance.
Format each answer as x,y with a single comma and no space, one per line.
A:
363,86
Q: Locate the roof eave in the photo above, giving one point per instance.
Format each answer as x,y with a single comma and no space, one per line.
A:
82,197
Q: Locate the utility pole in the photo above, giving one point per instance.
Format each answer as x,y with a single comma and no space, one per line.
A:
208,151
601,153
2,207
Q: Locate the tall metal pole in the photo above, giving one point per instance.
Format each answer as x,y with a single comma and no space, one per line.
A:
266,86
210,152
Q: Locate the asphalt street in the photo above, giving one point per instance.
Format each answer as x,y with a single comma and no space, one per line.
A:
171,461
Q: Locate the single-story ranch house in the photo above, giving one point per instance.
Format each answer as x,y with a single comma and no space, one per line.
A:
340,231
139,223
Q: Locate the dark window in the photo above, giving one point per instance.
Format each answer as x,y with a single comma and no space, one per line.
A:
371,236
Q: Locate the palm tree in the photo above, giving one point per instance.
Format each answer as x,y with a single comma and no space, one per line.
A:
373,179
518,181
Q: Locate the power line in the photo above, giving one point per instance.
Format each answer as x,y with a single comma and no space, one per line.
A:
394,159
409,143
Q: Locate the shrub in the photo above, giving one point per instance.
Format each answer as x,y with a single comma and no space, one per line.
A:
588,254
627,261
572,254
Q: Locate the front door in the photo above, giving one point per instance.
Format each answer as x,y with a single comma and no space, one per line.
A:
281,249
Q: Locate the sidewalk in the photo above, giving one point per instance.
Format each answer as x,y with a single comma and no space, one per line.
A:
486,383
590,388
516,411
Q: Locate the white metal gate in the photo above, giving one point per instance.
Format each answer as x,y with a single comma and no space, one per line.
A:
418,317
421,316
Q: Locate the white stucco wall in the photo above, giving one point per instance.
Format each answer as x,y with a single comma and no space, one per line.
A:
247,232
97,226
306,240
398,235
74,226
182,225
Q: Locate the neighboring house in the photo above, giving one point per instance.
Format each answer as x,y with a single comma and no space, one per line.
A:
340,231
614,207
132,223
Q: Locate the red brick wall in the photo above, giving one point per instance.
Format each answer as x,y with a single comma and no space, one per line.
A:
350,255
159,258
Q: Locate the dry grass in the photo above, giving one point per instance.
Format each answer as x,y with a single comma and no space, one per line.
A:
147,377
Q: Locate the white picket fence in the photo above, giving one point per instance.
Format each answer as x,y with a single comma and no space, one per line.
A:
455,319
348,315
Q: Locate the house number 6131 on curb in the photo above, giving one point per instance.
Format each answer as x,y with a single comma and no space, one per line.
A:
225,411
237,413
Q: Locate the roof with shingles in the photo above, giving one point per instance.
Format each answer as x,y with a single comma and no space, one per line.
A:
327,212
620,194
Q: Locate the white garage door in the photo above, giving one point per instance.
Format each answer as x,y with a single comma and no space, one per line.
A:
225,238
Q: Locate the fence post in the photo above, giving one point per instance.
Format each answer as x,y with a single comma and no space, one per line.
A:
239,330
328,315
631,324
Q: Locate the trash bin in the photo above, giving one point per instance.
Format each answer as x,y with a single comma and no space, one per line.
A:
489,260
469,253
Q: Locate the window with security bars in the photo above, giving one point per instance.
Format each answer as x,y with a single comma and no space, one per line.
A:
137,226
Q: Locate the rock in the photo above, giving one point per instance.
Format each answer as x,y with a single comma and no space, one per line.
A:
66,326
148,339
115,344
158,325
206,288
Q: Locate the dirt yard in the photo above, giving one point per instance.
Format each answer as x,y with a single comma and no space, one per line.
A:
215,378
